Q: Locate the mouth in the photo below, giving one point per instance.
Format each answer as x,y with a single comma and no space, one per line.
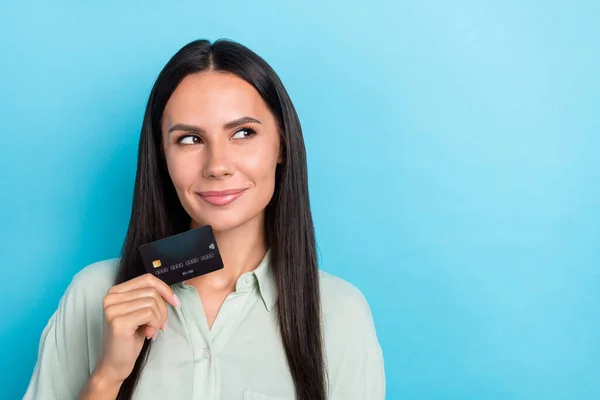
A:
221,198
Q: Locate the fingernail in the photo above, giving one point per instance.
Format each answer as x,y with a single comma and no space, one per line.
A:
154,336
165,325
148,337
176,300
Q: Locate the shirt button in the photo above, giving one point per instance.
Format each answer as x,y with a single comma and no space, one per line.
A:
206,353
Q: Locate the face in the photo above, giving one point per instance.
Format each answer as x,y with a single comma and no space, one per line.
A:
221,144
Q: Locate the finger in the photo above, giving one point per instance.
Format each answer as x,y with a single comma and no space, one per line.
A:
148,280
129,323
117,298
150,332
127,307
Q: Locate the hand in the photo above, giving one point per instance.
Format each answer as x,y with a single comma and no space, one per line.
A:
133,312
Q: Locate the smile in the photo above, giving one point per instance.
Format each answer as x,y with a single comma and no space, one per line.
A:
221,198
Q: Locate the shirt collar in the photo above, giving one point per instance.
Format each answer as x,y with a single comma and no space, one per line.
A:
267,286
266,281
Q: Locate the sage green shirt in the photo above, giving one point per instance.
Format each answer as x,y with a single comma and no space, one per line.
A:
240,358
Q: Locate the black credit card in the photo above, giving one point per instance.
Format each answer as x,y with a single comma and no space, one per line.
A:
183,256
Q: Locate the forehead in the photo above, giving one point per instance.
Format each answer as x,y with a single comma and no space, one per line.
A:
214,97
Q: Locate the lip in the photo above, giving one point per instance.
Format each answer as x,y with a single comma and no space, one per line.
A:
221,197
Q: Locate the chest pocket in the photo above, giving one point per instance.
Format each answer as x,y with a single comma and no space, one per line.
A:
248,395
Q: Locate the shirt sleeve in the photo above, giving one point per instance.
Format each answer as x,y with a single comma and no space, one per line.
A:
360,373
47,382
63,361
356,367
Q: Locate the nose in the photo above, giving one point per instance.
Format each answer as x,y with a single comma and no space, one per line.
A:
217,161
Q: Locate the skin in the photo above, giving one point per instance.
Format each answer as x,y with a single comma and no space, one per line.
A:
220,158
213,157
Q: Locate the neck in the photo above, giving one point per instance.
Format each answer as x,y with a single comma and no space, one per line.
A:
241,248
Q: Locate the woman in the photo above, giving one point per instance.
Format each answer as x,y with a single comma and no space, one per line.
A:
220,145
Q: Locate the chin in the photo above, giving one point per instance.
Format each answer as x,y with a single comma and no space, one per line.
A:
221,223
223,226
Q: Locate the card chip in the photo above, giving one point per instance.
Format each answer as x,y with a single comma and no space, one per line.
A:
156,263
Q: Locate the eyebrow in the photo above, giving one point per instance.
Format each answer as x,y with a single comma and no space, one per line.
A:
229,125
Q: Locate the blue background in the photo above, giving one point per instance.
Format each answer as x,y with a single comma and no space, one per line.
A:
453,160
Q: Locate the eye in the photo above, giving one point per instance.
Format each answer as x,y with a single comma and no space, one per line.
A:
244,133
189,139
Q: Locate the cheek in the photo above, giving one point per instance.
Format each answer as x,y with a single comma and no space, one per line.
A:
182,172
260,166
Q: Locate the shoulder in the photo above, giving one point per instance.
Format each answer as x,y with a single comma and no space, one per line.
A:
96,278
101,272
343,304
89,286
353,355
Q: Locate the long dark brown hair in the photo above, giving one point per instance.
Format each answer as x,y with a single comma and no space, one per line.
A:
157,212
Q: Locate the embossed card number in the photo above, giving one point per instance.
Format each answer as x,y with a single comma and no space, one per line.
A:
182,256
